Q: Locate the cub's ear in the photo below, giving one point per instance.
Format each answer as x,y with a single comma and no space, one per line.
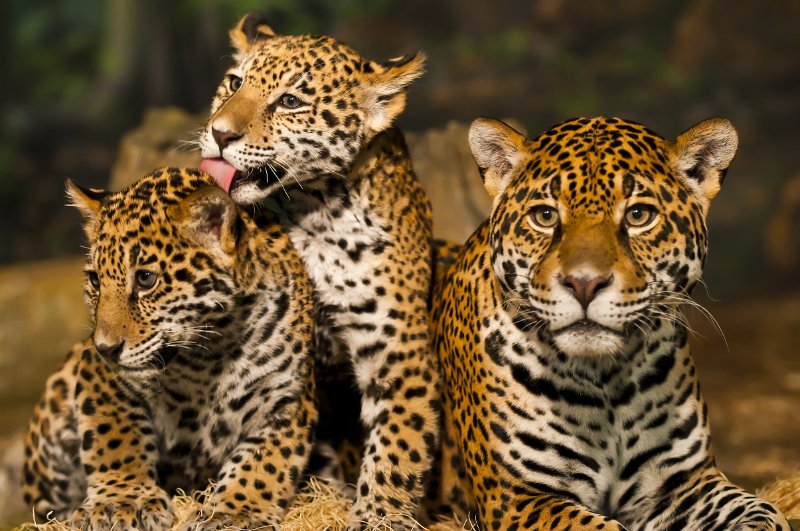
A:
251,28
88,202
702,154
209,217
498,149
385,89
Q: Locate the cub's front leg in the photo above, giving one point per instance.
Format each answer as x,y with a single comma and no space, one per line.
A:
119,453
259,479
400,401
53,480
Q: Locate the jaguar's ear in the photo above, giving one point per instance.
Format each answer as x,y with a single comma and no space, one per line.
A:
385,87
209,217
702,154
498,149
88,202
250,29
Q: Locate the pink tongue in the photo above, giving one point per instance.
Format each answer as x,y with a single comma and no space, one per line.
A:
221,171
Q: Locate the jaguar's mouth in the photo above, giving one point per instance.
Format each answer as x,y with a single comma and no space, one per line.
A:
154,362
229,178
586,326
589,338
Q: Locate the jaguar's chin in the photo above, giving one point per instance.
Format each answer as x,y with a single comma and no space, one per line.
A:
145,366
253,186
140,374
590,339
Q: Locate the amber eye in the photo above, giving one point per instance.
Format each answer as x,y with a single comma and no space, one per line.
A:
145,279
235,83
639,215
544,217
94,279
289,101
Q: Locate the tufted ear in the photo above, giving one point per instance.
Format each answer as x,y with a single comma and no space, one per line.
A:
702,155
385,89
88,202
251,28
209,217
498,149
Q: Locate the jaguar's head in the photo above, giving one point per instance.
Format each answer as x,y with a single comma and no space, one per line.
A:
161,273
598,225
297,107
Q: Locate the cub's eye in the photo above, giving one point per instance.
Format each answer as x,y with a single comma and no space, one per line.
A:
544,217
235,83
94,279
639,215
289,101
145,279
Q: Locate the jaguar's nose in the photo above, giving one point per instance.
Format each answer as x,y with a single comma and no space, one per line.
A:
223,138
585,289
109,351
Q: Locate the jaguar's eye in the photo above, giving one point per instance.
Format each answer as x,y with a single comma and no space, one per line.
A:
145,279
639,215
94,279
289,101
544,217
235,83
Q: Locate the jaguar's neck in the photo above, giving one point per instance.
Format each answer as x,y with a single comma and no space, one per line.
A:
387,152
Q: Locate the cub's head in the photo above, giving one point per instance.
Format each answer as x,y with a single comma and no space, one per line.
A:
599,225
295,107
162,267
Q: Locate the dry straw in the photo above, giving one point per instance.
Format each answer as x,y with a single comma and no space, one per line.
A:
321,507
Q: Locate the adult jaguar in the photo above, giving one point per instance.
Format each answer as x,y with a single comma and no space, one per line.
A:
309,119
199,367
568,383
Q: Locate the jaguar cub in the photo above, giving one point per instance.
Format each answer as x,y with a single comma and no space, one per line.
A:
308,120
570,390
199,367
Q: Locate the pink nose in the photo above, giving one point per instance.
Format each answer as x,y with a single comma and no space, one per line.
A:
585,290
223,138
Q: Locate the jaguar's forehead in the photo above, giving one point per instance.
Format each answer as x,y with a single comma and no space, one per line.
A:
303,53
598,158
138,212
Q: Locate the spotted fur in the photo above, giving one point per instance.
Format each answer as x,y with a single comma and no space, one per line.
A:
570,391
309,119
198,368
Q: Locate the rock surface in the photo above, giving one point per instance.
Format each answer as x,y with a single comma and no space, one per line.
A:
164,138
782,243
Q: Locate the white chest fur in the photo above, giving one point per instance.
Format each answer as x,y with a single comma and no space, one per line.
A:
342,248
596,427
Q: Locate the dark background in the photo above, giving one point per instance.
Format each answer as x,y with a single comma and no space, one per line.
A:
81,73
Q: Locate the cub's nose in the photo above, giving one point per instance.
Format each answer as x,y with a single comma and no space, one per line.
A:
585,289
223,138
110,352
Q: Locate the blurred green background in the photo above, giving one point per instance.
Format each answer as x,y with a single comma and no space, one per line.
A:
78,74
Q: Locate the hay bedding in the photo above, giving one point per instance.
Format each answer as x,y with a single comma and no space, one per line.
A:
785,494
318,507
321,507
